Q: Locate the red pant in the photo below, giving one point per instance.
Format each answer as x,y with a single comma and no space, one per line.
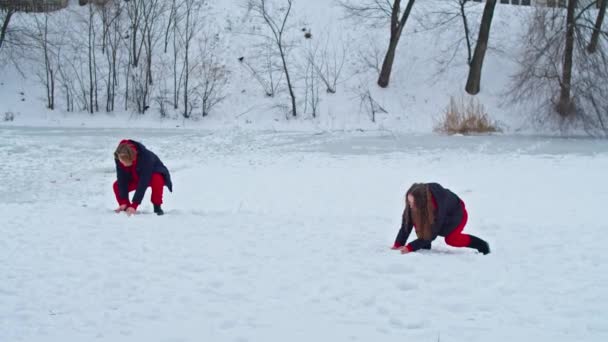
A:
456,238
157,183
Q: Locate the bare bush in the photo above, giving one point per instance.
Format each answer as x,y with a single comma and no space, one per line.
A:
369,104
466,117
212,76
327,61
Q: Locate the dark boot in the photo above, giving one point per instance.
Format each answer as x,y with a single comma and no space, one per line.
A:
479,245
158,210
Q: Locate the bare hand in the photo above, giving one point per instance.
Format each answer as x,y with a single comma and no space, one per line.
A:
404,250
121,208
395,247
130,211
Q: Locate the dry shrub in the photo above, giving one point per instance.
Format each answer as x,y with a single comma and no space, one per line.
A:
466,117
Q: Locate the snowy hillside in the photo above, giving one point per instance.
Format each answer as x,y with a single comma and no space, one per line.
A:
420,88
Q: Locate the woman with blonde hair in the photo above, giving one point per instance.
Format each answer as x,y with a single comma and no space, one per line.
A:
432,211
138,168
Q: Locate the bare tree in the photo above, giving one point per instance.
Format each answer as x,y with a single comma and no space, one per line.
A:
327,62
311,82
597,29
444,18
264,69
565,105
375,10
192,8
397,26
448,19
277,29
184,24
72,71
177,46
7,18
67,85
153,15
111,18
370,104
465,24
93,104
212,75
557,72
144,22
136,13
42,37
127,75
474,79
371,56
170,23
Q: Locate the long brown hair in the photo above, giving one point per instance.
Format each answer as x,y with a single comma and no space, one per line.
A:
125,152
423,215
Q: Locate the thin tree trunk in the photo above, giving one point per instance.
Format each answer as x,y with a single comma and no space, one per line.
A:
397,26
7,19
175,89
595,37
114,73
127,75
94,58
148,77
474,80
104,19
52,107
465,22
50,87
565,106
68,99
289,85
149,59
95,76
134,28
186,63
186,87
172,15
90,59
114,81
109,83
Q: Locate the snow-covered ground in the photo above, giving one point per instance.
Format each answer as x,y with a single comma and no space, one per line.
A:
285,237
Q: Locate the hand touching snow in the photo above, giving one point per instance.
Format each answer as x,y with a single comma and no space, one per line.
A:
121,208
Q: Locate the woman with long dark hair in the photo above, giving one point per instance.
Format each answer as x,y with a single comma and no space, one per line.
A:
432,211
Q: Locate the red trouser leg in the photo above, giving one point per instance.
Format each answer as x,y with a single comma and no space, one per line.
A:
456,238
157,184
121,201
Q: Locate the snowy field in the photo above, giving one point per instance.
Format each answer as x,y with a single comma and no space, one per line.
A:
285,237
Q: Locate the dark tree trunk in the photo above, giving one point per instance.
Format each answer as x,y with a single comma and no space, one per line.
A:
397,26
474,80
595,37
7,19
565,106
467,32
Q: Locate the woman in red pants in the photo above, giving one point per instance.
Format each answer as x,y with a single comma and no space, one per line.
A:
435,211
138,168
